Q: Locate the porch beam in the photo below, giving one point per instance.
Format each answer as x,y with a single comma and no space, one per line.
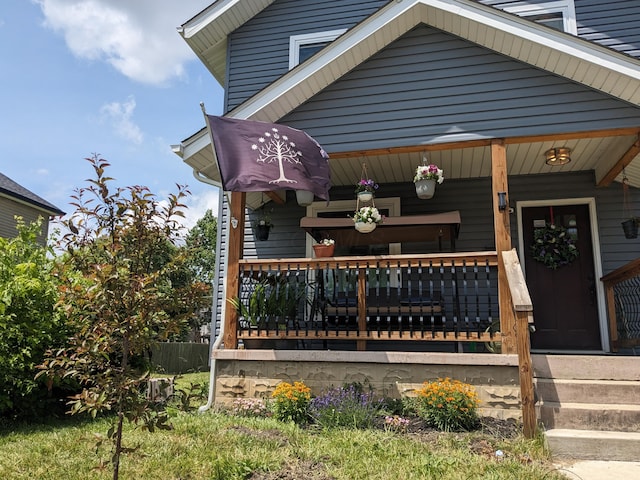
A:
277,199
625,160
235,246
502,228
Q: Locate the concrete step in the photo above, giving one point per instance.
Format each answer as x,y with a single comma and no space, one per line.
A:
586,367
590,416
593,445
610,392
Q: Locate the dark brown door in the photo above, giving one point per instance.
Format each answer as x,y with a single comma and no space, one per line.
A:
565,306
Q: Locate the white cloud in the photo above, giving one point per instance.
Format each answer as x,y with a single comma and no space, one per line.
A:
119,115
138,38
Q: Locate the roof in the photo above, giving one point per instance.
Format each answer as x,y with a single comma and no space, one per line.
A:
13,190
568,56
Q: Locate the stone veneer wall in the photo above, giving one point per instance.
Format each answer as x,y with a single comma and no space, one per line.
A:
255,373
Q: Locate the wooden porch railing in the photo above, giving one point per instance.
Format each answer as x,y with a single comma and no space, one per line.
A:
434,297
524,316
622,291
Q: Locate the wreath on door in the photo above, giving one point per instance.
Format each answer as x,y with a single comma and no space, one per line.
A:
553,246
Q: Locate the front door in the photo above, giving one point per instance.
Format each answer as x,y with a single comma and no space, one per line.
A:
565,306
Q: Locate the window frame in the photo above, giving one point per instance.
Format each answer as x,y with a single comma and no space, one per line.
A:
297,41
566,7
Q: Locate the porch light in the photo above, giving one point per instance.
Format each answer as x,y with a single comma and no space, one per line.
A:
558,156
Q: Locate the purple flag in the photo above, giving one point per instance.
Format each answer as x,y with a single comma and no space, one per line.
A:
261,157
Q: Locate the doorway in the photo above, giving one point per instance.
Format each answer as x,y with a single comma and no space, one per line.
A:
565,299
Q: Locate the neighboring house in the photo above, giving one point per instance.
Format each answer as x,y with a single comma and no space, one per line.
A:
484,89
17,200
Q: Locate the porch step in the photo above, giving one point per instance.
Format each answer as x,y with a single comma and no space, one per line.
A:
589,405
610,392
590,416
586,367
593,445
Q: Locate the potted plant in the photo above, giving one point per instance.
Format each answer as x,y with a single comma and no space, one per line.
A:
325,248
262,226
365,189
426,178
366,219
630,227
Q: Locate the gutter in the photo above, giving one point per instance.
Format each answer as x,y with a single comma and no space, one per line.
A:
218,341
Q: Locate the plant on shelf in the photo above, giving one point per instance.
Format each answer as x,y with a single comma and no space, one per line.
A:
324,248
631,222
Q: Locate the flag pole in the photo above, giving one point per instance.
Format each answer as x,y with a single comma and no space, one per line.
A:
199,174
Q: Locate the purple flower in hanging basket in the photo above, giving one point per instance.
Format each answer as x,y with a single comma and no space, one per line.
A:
366,185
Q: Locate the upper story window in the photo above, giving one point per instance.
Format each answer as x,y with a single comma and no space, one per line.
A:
560,14
301,47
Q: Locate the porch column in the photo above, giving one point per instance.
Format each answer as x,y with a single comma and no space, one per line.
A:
502,228
235,244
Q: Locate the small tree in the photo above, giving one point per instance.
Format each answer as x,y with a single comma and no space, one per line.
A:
29,321
123,289
201,243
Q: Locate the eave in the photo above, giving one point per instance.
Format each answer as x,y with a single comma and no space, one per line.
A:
207,32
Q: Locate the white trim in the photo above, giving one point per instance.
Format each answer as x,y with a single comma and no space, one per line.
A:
597,258
297,41
566,7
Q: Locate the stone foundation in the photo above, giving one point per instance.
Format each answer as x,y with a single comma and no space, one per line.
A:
255,374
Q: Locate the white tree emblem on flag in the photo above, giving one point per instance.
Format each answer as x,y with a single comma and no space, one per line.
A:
275,147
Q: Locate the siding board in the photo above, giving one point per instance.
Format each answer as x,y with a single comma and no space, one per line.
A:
440,93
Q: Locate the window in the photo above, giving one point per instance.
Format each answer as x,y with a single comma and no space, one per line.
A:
560,14
302,47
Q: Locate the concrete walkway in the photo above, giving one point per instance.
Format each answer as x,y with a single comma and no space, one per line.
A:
599,470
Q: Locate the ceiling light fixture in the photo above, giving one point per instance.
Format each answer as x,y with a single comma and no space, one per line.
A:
558,156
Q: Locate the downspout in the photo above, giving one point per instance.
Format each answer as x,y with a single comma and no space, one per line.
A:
218,341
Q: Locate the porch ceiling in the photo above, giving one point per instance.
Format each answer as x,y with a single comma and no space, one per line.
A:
594,153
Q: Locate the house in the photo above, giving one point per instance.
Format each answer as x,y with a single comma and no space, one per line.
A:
17,200
532,110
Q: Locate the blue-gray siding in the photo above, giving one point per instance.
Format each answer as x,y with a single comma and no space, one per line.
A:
259,50
432,87
613,23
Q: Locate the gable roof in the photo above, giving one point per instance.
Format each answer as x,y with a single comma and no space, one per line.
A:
15,191
573,58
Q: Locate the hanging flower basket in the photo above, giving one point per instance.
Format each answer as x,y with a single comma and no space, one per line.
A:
426,178
425,189
630,228
364,227
365,196
553,246
304,197
262,232
366,219
324,248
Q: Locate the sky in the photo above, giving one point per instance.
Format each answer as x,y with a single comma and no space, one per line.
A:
107,77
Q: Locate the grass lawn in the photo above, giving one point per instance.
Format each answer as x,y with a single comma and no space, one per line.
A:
216,445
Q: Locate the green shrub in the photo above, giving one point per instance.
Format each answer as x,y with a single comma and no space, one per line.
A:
448,405
30,323
291,402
